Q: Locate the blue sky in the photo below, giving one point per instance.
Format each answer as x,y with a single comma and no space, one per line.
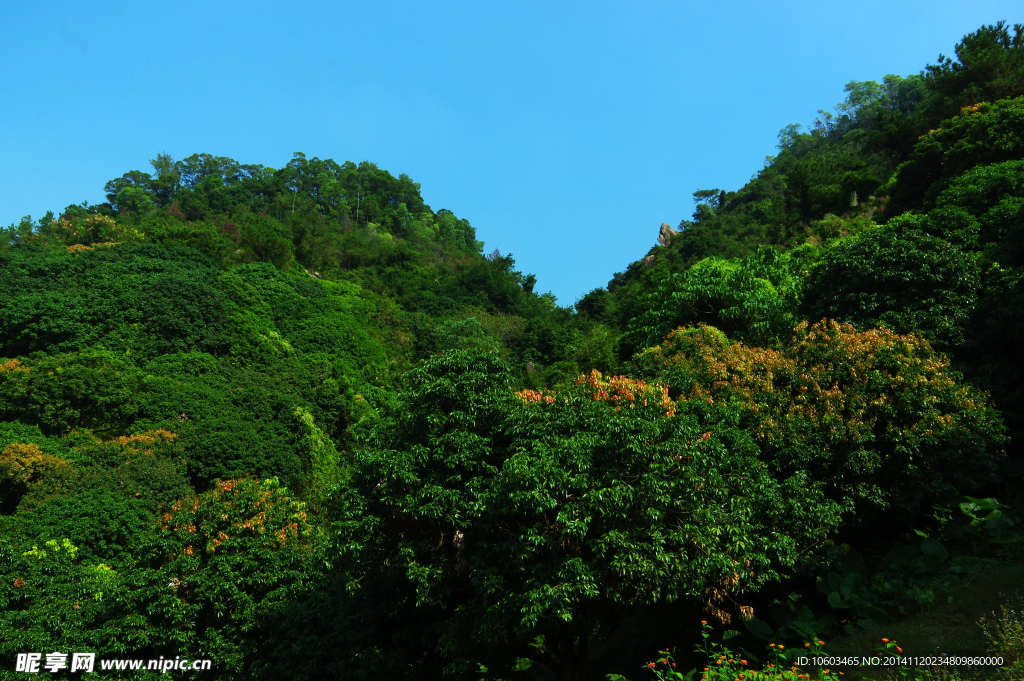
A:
565,132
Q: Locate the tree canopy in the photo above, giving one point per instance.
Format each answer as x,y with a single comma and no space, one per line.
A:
295,421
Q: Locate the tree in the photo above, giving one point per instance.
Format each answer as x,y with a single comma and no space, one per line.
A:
168,179
95,389
879,418
753,299
24,466
521,528
53,599
135,200
267,239
989,65
982,133
897,276
134,179
221,565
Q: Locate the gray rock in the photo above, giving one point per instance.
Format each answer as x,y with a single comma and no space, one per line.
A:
666,234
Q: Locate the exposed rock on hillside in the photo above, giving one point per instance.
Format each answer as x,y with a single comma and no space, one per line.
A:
666,234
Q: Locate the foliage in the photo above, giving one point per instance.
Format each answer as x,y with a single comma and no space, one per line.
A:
1005,633
104,501
879,418
981,209
832,178
80,233
27,464
24,466
981,134
321,462
54,599
221,564
213,571
475,490
988,66
142,298
148,468
95,389
725,665
899,277
538,521
108,525
752,300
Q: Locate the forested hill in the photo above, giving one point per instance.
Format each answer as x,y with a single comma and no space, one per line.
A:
935,157
294,420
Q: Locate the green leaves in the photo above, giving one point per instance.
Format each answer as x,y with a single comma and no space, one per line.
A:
753,299
879,418
899,277
95,389
107,525
222,565
556,517
988,518
981,134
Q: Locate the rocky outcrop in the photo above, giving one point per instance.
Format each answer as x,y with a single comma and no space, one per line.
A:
666,234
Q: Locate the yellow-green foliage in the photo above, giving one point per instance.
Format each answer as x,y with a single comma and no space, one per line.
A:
878,415
99,230
28,464
320,460
1004,630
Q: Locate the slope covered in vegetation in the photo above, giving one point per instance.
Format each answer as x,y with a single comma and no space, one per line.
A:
296,422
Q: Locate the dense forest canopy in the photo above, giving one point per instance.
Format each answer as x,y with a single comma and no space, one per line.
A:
297,422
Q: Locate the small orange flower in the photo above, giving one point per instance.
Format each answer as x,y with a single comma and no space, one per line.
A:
18,583
885,640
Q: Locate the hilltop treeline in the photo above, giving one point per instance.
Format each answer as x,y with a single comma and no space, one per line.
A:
296,421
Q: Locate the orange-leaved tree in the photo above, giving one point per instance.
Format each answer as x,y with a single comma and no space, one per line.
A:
879,417
222,563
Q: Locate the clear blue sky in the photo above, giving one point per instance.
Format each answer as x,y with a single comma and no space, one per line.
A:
566,132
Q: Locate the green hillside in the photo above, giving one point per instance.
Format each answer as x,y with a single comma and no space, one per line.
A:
295,421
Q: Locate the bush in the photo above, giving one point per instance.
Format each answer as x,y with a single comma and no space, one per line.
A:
879,418
896,276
